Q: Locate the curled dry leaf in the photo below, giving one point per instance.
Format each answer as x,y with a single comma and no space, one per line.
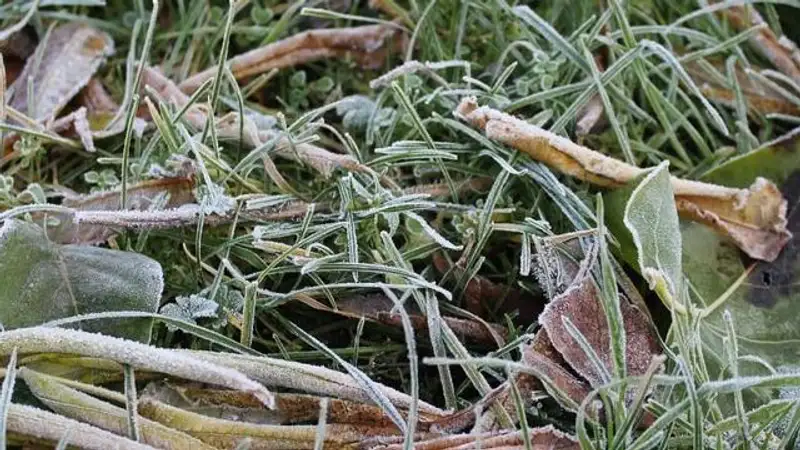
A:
765,41
367,45
541,438
754,218
69,58
289,408
228,433
308,378
39,424
582,306
179,364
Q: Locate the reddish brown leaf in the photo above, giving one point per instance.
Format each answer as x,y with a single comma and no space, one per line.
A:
582,306
379,308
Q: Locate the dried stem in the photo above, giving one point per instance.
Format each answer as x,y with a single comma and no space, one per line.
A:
368,45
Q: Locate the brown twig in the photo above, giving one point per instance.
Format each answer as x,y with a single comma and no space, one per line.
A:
367,45
754,218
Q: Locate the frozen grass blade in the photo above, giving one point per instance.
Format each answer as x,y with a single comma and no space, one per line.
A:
56,340
5,396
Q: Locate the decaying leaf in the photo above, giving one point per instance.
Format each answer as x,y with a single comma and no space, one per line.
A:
582,306
310,379
150,195
379,308
481,293
367,45
43,281
32,422
20,42
542,438
759,96
96,99
289,408
765,41
222,433
171,362
77,405
69,58
754,218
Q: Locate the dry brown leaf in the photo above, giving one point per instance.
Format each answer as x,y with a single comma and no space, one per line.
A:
481,293
759,97
289,408
582,306
754,218
228,433
542,438
367,45
96,98
69,58
174,192
590,115
379,308
742,17
20,44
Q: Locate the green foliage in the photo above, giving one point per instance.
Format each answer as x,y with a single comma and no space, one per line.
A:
43,281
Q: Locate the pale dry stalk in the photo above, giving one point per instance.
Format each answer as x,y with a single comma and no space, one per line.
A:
367,45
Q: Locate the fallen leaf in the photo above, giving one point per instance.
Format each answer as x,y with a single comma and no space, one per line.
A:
43,281
759,97
754,218
150,195
481,294
20,43
228,127
368,45
222,433
309,379
582,306
541,438
69,58
763,307
380,309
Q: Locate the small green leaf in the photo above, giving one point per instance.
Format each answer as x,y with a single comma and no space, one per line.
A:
652,220
43,281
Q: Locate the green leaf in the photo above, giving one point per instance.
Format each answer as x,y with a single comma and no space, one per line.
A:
774,161
43,281
764,305
643,218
